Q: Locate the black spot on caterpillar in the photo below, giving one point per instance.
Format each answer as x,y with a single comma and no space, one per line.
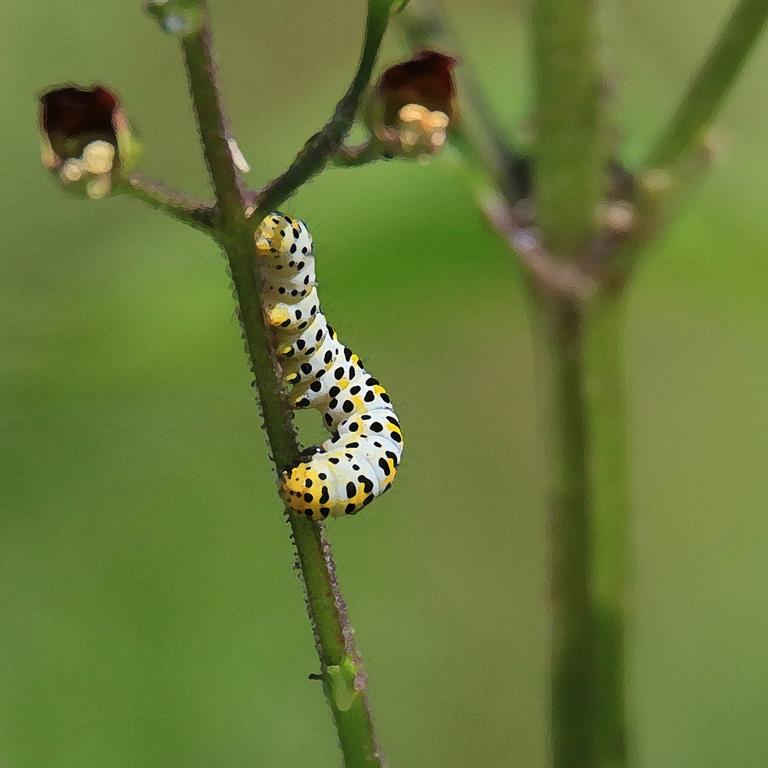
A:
351,468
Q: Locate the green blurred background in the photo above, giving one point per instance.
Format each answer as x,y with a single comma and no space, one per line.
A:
149,614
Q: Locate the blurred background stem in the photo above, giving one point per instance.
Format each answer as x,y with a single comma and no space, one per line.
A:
580,371
341,667
577,323
558,333
604,391
570,151
579,352
712,83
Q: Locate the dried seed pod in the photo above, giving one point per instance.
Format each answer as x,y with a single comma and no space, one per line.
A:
412,105
86,139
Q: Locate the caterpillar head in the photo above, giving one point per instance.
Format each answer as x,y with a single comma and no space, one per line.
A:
280,235
304,488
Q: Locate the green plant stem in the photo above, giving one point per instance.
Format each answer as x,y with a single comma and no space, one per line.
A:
604,390
559,332
360,154
582,376
170,201
579,361
570,150
315,153
711,84
682,149
327,611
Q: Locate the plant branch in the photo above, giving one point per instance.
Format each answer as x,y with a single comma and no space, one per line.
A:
360,154
710,86
343,677
315,153
570,156
684,150
176,204
549,275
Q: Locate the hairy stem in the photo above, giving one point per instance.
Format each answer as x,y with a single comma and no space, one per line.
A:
327,611
570,154
711,84
237,240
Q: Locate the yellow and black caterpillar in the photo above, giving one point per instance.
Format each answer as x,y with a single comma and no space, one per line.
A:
360,459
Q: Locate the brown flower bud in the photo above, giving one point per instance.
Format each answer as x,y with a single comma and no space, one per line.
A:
413,104
426,79
86,139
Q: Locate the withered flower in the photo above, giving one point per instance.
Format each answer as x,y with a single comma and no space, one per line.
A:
86,138
413,104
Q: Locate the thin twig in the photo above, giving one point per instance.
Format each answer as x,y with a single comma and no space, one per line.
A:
195,213
683,153
711,84
325,605
321,146
360,154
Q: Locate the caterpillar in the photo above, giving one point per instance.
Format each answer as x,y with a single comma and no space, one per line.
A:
360,459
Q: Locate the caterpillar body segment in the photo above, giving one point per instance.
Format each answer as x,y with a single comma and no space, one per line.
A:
359,460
